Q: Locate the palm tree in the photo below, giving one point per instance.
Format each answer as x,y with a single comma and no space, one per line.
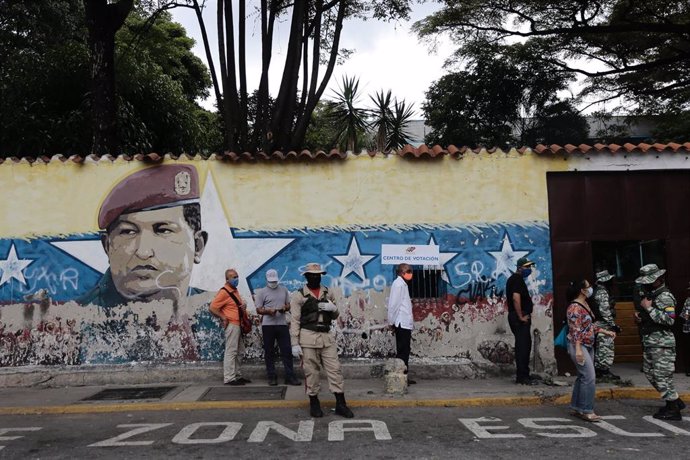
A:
382,120
398,135
350,121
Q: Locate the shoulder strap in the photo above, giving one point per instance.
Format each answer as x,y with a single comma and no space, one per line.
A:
232,296
586,308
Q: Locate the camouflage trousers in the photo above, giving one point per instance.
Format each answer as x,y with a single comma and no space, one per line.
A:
603,352
658,365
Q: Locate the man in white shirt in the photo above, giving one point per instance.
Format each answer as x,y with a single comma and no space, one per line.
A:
400,314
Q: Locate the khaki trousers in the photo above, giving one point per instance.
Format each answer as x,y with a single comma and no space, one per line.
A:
233,348
326,357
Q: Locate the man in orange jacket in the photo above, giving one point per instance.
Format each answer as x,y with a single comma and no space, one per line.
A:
226,306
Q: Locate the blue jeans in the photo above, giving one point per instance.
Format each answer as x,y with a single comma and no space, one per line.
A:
584,389
282,335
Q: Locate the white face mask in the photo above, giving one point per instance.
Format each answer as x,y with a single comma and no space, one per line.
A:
272,284
589,291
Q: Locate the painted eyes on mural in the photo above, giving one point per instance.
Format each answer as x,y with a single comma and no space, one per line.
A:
164,229
127,231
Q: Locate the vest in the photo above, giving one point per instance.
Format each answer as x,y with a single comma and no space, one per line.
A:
647,326
309,318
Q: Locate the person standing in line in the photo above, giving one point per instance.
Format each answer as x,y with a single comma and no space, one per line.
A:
400,315
604,349
657,315
581,337
313,309
519,318
685,314
226,305
273,302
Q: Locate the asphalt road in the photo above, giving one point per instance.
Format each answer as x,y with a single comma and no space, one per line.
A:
443,432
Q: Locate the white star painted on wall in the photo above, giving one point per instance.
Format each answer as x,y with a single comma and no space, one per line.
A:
506,258
13,267
444,257
354,261
223,250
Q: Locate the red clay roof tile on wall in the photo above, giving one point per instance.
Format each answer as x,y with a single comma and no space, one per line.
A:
421,152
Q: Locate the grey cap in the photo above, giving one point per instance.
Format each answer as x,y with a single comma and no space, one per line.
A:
272,275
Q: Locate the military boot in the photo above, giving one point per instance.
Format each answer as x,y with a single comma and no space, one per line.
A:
341,407
669,412
315,407
680,404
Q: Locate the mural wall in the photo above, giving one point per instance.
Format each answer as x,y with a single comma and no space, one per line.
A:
116,261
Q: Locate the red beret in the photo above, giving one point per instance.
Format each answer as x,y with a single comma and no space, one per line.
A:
151,188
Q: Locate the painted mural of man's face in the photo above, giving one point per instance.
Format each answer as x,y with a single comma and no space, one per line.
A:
152,253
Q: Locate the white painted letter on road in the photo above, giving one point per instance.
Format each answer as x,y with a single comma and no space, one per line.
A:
579,431
482,432
615,430
229,432
12,438
337,429
304,432
139,428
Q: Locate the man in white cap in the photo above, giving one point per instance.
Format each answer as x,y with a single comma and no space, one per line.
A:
273,302
656,315
604,349
313,309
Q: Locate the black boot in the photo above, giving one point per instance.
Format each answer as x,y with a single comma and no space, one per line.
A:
315,407
340,406
669,412
680,404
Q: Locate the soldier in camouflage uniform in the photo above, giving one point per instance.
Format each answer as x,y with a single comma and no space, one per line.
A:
604,347
685,314
657,315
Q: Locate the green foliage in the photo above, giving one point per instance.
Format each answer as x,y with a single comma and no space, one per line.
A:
44,84
350,121
631,51
500,99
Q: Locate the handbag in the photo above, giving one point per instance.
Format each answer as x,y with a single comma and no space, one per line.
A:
245,322
561,339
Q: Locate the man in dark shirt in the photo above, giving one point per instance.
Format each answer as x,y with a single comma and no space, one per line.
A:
520,319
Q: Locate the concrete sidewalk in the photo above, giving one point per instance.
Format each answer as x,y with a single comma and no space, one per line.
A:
360,392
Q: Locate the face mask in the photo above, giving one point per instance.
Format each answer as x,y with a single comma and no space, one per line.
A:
313,280
589,291
272,284
234,282
526,272
407,276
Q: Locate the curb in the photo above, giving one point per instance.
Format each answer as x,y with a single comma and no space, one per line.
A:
603,394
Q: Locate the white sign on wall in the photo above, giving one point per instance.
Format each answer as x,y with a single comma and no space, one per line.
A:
413,254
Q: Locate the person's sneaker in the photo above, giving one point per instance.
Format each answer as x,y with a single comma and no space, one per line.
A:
292,381
273,381
235,382
527,382
243,380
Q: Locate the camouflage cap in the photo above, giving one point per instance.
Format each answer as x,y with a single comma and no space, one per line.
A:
152,188
649,273
313,267
524,262
603,276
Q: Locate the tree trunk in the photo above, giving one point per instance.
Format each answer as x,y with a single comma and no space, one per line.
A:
103,20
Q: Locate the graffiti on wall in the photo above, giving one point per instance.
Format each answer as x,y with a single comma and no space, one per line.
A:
138,290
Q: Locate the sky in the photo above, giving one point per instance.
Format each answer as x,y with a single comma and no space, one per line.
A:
386,55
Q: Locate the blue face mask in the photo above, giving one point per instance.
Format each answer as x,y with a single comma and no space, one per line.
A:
526,272
234,282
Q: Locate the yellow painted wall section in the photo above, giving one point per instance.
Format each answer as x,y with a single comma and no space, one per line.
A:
64,198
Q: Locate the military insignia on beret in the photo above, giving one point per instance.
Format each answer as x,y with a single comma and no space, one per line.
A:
183,183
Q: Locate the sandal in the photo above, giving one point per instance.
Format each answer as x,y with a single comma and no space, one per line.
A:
591,417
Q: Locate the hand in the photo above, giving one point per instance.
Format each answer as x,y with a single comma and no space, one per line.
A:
327,306
224,323
525,318
617,329
646,304
271,312
580,356
611,334
286,308
297,351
